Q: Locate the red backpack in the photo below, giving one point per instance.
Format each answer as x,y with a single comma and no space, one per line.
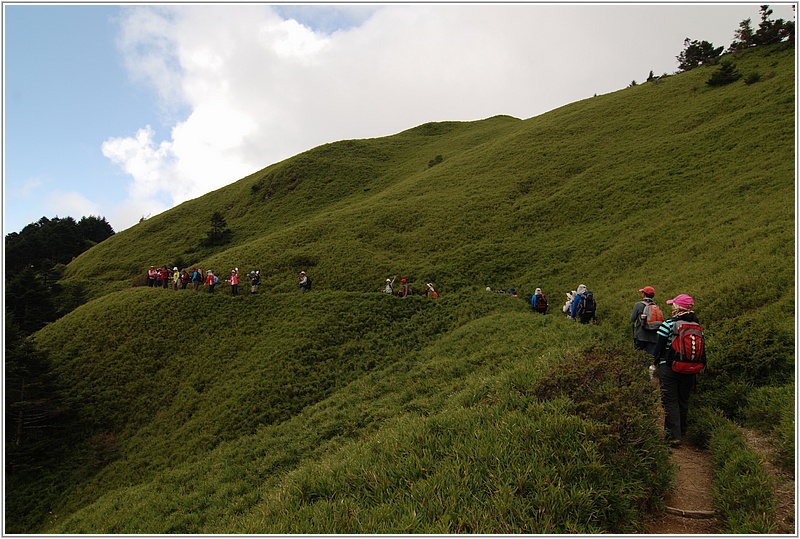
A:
689,347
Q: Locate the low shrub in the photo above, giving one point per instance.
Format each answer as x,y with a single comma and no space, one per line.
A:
752,78
726,74
771,411
608,385
742,488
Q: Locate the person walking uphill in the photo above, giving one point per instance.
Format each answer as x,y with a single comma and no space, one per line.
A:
389,288
211,280
646,318
539,302
584,308
404,290
305,282
255,280
197,278
430,291
681,354
151,276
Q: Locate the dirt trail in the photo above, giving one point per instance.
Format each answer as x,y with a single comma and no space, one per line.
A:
692,496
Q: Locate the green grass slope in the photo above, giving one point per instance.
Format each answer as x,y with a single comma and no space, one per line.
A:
346,411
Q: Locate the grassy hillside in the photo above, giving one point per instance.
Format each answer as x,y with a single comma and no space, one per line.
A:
347,411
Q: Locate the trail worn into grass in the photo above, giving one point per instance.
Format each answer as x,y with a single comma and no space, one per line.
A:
689,507
783,480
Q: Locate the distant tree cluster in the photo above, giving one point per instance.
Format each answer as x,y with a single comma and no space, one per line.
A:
36,257
768,33
35,261
697,53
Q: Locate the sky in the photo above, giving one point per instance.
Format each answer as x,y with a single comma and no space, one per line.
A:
123,111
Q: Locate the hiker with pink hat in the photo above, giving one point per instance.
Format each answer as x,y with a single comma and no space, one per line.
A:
681,355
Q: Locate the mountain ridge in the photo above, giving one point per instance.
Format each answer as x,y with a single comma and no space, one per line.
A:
339,410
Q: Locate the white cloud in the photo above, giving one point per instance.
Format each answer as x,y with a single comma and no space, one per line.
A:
69,203
25,190
260,88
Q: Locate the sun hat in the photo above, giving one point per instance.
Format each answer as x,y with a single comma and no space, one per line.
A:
648,290
683,301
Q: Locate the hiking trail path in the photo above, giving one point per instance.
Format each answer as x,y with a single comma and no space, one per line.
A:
690,507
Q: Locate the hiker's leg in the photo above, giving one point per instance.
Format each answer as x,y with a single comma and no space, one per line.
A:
670,387
684,390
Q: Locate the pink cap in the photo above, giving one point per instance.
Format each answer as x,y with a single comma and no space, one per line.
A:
684,301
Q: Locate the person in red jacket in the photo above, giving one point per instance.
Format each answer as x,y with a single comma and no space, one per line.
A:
234,280
211,280
165,276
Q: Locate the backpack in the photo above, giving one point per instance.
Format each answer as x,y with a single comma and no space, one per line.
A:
308,282
587,307
689,347
216,279
541,303
653,317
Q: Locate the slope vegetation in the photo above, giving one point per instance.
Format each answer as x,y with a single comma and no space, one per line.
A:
347,411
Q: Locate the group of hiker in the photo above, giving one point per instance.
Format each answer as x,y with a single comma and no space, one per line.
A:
405,288
676,346
175,279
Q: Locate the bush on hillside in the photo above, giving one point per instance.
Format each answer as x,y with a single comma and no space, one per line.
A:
609,386
726,74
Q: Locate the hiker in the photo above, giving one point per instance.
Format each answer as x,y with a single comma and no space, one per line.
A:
185,278
677,386
389,287
539,301
197,277
430,291
255,280
568,305
158,278
151,276
584,308
176,278
404,290
165,276
646,319
211,280
234,280
305,282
